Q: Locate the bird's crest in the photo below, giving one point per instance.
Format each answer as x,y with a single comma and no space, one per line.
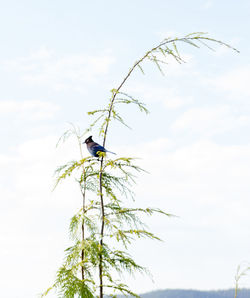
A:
88,140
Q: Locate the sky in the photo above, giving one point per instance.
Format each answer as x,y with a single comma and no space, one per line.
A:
59,60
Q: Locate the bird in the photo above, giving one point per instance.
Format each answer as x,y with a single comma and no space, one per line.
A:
94,147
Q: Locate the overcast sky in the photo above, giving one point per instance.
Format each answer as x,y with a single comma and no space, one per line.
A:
60,59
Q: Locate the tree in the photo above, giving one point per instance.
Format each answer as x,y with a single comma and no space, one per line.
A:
242,270
90,262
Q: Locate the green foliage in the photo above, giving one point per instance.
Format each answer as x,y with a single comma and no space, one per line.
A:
242,270
105,222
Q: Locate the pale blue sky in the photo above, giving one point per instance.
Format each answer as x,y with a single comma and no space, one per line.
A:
58,60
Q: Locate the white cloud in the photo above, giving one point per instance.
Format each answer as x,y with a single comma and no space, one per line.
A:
207,5
44,67
235,82
29,109
209,121
168,34
176,101
33,219
206,184
169,97
29,211
204,172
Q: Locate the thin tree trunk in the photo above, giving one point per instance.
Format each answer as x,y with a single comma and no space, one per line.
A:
83,231
235,292
83,191
101,165
102,232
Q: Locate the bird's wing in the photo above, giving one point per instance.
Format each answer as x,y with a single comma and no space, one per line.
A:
97,147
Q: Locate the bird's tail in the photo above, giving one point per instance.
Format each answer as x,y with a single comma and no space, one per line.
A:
110,152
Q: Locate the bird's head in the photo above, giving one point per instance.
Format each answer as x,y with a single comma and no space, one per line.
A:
88,140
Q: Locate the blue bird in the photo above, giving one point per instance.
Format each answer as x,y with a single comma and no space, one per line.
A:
93,147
